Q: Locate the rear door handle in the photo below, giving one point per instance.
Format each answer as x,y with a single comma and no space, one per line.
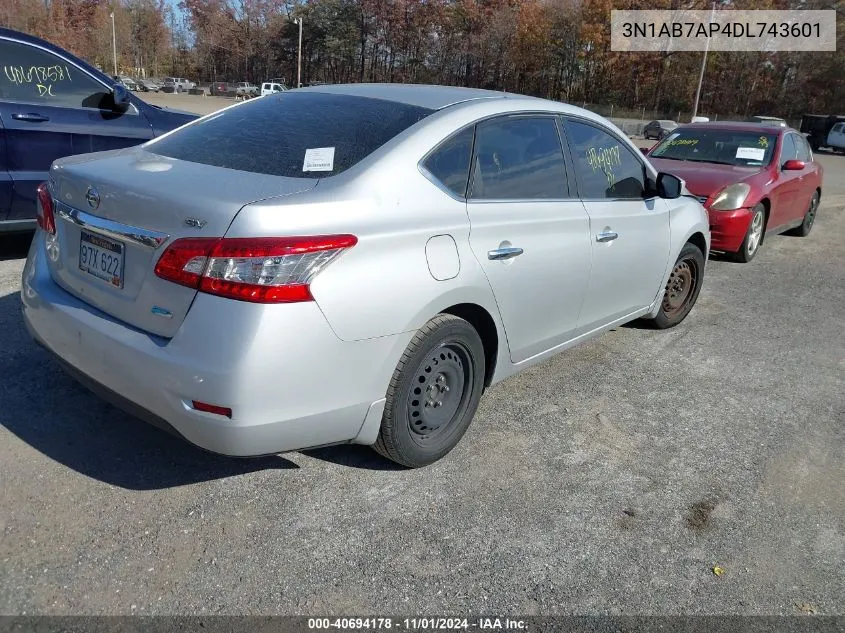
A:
32,117
504,253
606,236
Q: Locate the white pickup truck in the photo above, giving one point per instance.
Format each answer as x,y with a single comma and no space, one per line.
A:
246,90
836,137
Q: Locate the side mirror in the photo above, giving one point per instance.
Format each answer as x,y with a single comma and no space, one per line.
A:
669,186
121,97
794,165
645,150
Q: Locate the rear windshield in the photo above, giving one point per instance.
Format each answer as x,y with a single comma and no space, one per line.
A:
294,134
724,147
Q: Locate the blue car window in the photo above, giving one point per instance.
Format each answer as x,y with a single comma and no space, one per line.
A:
33,75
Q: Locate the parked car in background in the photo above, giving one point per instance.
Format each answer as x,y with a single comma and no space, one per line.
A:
754,179
178,84
817,128
246,89
700,119
836,137
78,110
510,243
768,120
127,82
269,87
221,89
149,85
658,129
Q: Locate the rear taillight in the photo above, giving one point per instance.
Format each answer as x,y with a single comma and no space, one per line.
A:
44,209
261,270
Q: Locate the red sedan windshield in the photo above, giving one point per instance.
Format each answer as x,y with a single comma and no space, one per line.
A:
724,147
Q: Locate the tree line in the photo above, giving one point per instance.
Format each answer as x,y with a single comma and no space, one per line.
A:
559,49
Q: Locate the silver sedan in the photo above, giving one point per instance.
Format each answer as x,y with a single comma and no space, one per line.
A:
351,264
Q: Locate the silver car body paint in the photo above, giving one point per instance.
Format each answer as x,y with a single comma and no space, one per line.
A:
314,373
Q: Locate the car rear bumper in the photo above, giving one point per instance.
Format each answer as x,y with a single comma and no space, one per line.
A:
728,228
290,381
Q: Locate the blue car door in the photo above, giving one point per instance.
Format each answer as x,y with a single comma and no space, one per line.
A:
5,178
50,108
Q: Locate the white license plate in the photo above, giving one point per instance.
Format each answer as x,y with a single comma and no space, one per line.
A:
102,258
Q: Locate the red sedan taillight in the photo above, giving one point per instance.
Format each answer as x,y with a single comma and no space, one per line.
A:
260,270
44,209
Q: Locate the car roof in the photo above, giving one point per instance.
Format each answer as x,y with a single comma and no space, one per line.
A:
421,95
739,126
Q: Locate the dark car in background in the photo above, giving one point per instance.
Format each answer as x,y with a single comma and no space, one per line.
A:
221,89
53,104
149,85
658,129
754,179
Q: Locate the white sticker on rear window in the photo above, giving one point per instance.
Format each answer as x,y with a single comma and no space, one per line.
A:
750,153
319,159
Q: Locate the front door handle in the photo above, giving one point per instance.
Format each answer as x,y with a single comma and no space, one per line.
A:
504,253
606,236
32,117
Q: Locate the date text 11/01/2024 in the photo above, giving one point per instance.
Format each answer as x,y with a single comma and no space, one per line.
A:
418,624
728,29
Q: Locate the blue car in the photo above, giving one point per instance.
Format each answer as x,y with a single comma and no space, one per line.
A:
53,104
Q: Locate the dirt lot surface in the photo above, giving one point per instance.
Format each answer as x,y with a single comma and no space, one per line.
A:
609,479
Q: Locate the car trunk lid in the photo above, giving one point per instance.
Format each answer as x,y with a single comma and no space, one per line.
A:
116,213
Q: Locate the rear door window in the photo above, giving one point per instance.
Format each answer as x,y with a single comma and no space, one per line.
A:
33,75
518,158
298,135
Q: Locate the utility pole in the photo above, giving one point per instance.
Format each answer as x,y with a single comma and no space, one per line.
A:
113,43
299,55
703,65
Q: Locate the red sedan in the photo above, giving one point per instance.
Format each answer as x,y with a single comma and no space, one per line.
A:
753,180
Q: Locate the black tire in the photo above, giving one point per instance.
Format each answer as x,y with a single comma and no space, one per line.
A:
754,237
809,218
442,368
682,288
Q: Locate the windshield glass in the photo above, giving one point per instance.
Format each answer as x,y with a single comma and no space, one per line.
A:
724,147
294,134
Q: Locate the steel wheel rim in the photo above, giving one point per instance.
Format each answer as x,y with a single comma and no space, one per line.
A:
756,233
439,391
811,213
680,287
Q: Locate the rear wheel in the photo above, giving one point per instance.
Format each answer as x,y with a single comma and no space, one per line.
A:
754,236
433,394
809,218
682,289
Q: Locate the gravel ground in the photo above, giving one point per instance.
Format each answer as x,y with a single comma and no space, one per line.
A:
610,479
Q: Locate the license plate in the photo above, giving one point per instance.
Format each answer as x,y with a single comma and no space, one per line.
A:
102,258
